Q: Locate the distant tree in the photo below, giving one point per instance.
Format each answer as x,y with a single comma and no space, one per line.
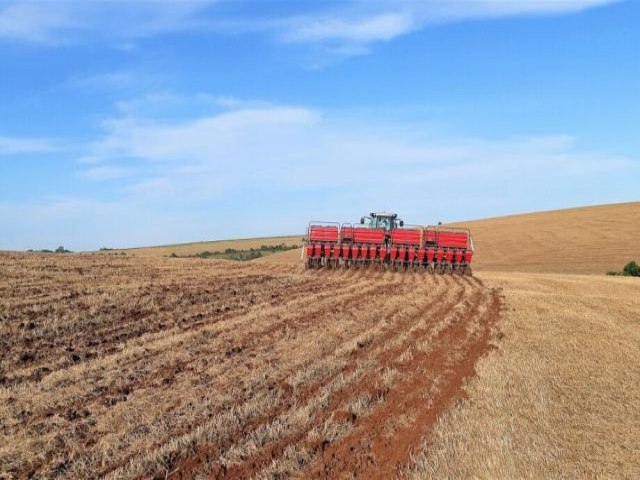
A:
61,249
631,269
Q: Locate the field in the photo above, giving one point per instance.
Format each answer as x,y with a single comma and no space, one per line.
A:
140,365
559,396
190,249
153,367
589,240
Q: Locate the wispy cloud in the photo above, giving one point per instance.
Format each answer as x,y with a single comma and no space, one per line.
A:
291,148
106,172
353,26
105,81
22,145
360,29
34,22
157,103
224,174
346,27
67,21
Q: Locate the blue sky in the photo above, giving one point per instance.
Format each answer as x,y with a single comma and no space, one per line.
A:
138,123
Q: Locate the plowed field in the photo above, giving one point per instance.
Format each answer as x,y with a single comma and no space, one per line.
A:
153,367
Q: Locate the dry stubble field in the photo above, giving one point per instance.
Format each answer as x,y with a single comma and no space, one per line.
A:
152,367
143,367
559,397
187,249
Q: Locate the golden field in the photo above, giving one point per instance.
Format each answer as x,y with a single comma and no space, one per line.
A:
578,240
559,396
588,240
187,249
143,366
124,367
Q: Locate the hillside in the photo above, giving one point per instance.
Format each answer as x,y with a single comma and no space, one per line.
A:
588,240
185,249
578,240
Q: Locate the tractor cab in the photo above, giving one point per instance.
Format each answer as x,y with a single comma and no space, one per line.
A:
388,221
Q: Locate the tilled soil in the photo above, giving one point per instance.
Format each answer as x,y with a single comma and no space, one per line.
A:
137,368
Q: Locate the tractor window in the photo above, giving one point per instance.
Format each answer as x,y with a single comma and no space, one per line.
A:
380,222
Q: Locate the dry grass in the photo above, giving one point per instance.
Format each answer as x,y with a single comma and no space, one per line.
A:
589,240
579,240
560,396
146,367
143,366
185,249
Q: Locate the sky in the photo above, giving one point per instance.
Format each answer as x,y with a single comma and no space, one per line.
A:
151,122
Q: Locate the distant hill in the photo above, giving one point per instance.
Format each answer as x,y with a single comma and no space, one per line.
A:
578,240
592,239
185,249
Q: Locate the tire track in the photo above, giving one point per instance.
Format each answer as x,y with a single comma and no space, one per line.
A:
323,373
205,460
381,444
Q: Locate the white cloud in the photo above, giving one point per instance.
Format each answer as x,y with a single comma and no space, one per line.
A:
266,170
107,80
520,7
157,102
34,22
23,145
383,26
210,139
294,149
358,24
66,21
346,27
105,172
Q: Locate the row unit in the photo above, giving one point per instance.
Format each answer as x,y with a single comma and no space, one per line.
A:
415,237
392,254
